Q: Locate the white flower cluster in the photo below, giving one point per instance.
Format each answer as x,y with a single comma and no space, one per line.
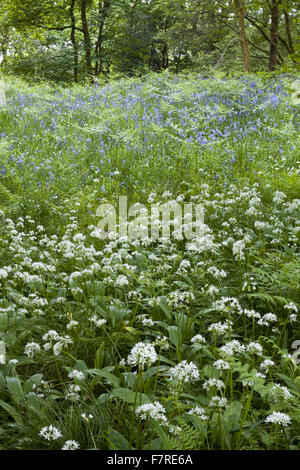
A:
198,411
184,372
237,250
142,354
50,433
279,393
76,374
221,365
3,273
254,348
72,392
266,364
278,418
31,349
162,343
213,383
198,339
218,402
179,299
56,342
291,307
70,445
97,321
148,322
217,273
219,328
228,305
232,347
122,281
278,197
152,410
72,324
267,319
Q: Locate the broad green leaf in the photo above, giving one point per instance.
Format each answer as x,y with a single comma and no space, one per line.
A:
12,412
111,378
152,371
99,356
117,441
15,389
129,396
33,380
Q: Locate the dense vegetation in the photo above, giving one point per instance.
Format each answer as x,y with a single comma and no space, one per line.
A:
150,344
75,40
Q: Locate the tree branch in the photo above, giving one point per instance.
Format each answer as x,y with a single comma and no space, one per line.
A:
55,28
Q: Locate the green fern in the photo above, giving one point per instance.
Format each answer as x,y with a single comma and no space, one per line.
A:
187,439
9,203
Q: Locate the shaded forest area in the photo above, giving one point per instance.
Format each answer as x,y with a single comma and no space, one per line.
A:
75,40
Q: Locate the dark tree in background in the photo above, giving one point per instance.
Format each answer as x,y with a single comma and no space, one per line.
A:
274,7
73,40
240,11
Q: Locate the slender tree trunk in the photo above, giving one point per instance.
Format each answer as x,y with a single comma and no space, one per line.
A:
151,55
98,51
4,53
4,45
177,62
265,35
133,7
274,6
165,51
165,56
288,30
102,11
240,11
74,42
86,37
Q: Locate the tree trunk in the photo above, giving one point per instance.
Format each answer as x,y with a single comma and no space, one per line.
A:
265,35
274,34
165,52
4,45
86,37
102,11
98,51
133,7
288,30
240,11
151,55
74,42
165,56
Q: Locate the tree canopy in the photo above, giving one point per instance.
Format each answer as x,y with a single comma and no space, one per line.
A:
72,40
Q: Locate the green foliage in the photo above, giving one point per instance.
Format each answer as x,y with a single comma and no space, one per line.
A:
130,38
219,318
